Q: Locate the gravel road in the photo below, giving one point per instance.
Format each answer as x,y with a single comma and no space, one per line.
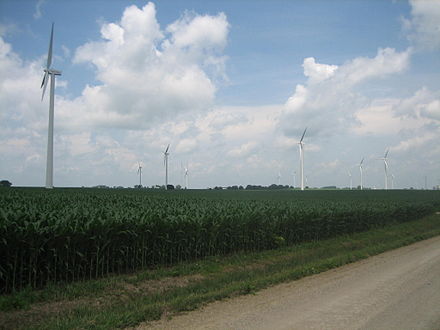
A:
399,289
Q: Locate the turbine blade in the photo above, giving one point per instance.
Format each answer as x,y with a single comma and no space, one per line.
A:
386,153
44,84
44,78
302,137
166,150
362,161
49,53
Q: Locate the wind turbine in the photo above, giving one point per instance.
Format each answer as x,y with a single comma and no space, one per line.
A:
301,158
361,170
52,72
392,181
351,179
140,175
386,167
186,176
165,162
294,179
279,177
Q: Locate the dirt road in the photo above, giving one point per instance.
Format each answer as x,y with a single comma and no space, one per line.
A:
399,289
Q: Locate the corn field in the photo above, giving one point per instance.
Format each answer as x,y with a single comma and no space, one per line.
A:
65,235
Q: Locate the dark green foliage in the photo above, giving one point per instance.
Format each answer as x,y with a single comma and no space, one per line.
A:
65,235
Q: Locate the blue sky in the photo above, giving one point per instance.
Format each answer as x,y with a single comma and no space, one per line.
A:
230,84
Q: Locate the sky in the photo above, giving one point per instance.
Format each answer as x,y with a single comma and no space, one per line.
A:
230,85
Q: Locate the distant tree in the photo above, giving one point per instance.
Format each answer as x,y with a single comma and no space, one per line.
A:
254,187
329,187
178,187
138,186
170,187
240,188
5,183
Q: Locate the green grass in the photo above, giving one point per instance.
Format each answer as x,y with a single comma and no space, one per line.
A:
122,301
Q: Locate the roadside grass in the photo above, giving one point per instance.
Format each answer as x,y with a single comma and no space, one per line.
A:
131,299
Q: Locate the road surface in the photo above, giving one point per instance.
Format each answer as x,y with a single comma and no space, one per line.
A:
399,289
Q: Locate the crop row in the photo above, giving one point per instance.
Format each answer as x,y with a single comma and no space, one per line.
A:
71,235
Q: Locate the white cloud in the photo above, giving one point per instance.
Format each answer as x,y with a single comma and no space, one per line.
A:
432,110
381,118
80,144
415,142
148,74
423,26
37,13
200,32
387,61
243,150
317,72
186,145
327,103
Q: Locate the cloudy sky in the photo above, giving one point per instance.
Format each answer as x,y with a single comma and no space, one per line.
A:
230,85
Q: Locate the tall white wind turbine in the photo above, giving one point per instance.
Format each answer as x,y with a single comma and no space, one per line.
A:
48,71
165,162
361,171
385,163
140,174
301,158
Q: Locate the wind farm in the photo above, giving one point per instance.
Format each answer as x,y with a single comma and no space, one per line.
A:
201,151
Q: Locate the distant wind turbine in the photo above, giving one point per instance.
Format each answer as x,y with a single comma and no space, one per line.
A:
294,179
361,171
392,181
351,179
186,176
52,72
279,177
140,175
386,167
165,162
301,158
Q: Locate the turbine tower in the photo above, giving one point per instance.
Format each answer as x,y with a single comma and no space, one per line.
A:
165,162
351,179
52,72
294,179
392,181
140,175
385,163
279,177
361,170
186,176
301,159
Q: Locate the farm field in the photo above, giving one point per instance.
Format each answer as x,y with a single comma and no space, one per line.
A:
66,235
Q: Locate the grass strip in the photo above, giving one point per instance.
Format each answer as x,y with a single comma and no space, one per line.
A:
107,303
